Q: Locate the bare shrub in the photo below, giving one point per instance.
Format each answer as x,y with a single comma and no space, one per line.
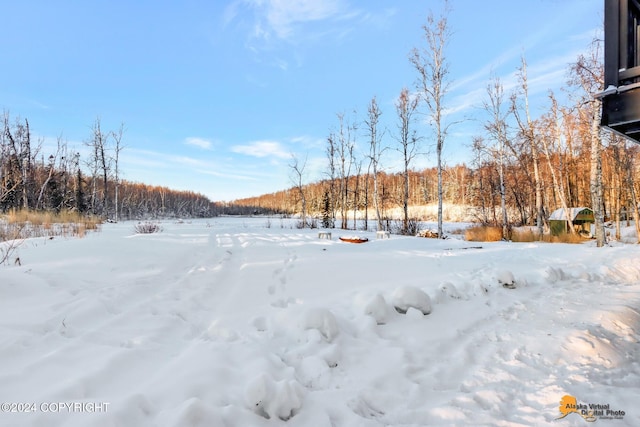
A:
483,233
308,223
8,249
10,241
413,227
147,227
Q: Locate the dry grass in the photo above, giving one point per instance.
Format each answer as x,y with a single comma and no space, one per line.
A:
24,224
458,231
482,233
532,236
525,236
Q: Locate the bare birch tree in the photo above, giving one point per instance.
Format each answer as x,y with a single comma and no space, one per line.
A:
117,139
297,170
551,145
527,131
406,106
97,163
496,126
345,149
53,158
356,193
588,74
375,152
433,84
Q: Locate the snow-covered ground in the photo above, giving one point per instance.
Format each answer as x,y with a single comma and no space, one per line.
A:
252,322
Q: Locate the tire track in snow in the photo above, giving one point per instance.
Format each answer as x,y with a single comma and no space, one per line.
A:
143,314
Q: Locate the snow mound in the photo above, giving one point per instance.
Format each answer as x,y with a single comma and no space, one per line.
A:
407,297
449,290
269,398
321,320
259,323
374,306
314,372
506,279
218,332
195,413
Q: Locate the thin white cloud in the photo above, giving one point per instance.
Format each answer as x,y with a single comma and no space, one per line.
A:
305,141
39,104
282,16
379,19
187,161
544,74
227,175
283,20
230,13
262,149
205,144
155,159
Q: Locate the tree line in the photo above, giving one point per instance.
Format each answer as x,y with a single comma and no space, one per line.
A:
477,186
65,180
523,167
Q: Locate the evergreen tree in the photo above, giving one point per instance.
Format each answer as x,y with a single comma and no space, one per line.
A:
81,204
56,198
327,218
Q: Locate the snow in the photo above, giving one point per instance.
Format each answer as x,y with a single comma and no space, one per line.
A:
234,322
408,297
506,279
561,214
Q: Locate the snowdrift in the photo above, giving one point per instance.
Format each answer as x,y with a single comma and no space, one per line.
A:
237,324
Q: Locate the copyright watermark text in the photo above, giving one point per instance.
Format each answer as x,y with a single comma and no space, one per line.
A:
55,407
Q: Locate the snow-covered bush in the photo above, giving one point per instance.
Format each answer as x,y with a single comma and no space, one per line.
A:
407,297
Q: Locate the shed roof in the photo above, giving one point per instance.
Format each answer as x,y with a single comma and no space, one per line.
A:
559,214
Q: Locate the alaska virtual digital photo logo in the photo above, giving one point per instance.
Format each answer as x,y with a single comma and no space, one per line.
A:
589,411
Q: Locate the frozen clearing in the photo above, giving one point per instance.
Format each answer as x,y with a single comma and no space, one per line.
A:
231,323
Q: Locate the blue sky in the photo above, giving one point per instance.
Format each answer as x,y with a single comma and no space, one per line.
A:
217,95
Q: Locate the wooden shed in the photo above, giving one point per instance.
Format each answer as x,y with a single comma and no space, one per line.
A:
581,217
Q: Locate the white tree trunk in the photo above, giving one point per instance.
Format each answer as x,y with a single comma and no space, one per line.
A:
595,185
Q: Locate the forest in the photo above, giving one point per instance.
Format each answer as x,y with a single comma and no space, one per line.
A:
523,168
64,180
